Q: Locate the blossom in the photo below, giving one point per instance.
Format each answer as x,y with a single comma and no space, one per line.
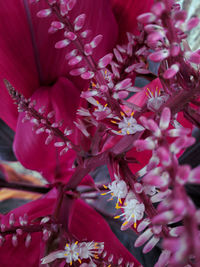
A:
118,188
41,73
75,252
129,125
133,211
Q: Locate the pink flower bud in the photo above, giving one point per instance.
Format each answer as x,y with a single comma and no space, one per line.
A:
144,145
70,35
151,244
52,30
71,4
165,118
79,22
180,15
143,224
57,24
87,75
75,60
193,57
118,55
12,219
146,18
172,71
143,238
28,241
88,50
62,43
71,54
164,217
159,55
178,132
96,41
194,176
121,95
14,241
85,33
163,259
192,23
44,13
158,8
77,72
164,156
126,83
155,36
104,61
153,126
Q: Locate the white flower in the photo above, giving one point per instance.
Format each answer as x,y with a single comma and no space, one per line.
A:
88,250
76,252
102,112
129,126
72,253
155,100
118,188
133,211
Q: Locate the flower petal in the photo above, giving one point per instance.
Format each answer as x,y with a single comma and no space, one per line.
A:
22,255
94,227
16,57
53,63
30,148
126,13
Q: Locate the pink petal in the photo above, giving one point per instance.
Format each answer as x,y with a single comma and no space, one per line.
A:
52,61
126,13
146,18
30,148
194,176
159,55
142,238
165,118
79,22
164,217
193,57
192,23
16,57
172,71
21,255
163,259
151,244
141,98
144,145
95,228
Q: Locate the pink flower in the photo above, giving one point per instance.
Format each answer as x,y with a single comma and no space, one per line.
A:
31,62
